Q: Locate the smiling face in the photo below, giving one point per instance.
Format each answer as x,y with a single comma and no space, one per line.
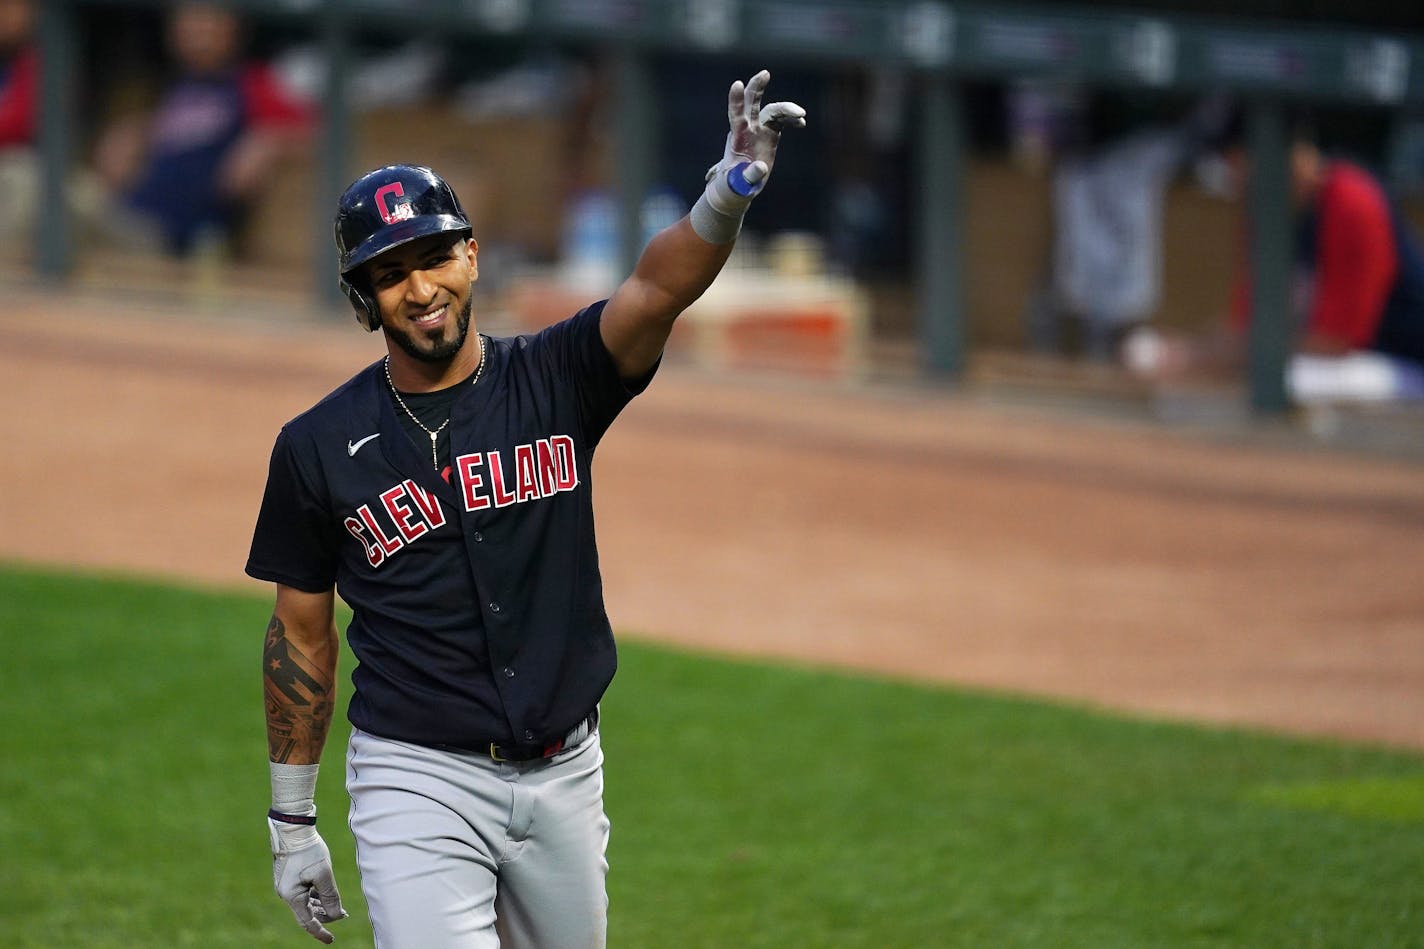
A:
423,294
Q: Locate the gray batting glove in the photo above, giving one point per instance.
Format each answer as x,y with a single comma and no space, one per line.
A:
302,875
751,144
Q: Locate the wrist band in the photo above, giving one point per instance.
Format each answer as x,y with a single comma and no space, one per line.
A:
293,788
712,225
281,818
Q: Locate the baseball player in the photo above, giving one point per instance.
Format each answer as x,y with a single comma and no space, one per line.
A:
445,492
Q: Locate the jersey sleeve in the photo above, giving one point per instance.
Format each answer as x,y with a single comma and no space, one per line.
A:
1355,264
293,542
578,352
269,104
19,93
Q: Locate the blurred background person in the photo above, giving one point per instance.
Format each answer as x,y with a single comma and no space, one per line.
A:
1110,174
19,74
189,169
19,90
20,177
1357,291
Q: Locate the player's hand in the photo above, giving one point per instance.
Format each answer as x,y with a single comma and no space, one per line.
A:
755,132
302,875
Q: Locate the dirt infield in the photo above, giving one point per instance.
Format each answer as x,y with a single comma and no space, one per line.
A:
917,535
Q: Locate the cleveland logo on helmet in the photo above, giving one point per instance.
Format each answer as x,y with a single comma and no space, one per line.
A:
400,210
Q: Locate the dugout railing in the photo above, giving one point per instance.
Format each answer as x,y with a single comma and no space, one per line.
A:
945,44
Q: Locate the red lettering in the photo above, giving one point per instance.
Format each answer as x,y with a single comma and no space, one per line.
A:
374,554
503,497
567,478
429,505
548,467
402,514
526,478
540,470
470,482
389,544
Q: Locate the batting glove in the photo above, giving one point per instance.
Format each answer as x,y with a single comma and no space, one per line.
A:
302,875
746,161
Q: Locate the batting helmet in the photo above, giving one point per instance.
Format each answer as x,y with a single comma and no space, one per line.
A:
386,208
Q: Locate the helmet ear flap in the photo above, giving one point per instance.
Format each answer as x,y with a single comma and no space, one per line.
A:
364,304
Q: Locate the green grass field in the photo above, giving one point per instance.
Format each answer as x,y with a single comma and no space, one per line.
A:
751,805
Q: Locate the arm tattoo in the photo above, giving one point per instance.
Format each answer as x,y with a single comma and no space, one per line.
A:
299,694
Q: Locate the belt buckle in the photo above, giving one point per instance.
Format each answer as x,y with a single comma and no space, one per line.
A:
494,752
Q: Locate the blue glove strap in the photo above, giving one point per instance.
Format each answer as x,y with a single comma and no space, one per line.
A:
737,181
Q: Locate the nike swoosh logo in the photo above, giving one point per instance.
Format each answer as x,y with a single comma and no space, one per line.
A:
353,447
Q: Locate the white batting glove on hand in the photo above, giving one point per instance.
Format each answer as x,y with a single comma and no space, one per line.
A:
302,875
747,159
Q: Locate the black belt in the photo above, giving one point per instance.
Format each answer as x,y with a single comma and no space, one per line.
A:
573,736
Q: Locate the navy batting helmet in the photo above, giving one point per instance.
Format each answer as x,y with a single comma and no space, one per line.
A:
386,208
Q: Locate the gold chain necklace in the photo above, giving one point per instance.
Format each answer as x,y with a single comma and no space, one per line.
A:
434,459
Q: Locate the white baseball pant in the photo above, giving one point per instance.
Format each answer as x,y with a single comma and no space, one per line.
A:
458,851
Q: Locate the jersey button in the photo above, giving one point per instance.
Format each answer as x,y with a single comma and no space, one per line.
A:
508,672
478,536
528,735
494,607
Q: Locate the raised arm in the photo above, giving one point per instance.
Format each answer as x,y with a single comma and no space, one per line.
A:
682,260
299,679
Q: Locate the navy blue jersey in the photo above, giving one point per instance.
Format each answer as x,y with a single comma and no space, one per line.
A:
194,130
1401,329
477,603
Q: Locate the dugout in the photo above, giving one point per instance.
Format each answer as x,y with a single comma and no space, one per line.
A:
1273,54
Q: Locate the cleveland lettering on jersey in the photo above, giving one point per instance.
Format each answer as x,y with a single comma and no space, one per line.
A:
536,470
407,512
410,512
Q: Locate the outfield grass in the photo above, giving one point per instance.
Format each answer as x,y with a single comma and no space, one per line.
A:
751,805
